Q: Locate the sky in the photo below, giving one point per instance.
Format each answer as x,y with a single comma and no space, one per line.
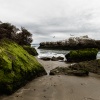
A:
53,20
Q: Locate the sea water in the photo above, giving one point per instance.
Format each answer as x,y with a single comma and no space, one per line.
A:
50,53
55,53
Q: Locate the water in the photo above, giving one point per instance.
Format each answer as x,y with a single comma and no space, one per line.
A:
50,53
55,53
98,55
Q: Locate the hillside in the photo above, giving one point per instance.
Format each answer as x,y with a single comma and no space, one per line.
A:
17,67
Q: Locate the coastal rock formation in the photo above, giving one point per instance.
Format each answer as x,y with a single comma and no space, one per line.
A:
72,43
93,66
45,58
52,58
17,67
69,71
57,58
82,55
78,69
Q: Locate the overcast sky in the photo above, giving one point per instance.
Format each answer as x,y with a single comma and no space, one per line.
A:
48,18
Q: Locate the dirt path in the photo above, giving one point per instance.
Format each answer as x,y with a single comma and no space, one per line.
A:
59,87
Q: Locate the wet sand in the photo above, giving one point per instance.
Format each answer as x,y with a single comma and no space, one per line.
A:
59,87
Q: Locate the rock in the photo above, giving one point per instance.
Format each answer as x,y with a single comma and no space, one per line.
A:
69,71
92,66
78,72
72,43
67,56
57,58
57,71
17,67
81,55
60,58
54,58
45,58
52,73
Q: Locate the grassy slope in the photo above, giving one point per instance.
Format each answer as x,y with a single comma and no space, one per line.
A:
16,66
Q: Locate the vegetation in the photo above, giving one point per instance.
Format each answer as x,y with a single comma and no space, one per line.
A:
82,55
17,66
30,50
21,36
24,37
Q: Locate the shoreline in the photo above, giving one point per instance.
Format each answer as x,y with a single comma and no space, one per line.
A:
58,87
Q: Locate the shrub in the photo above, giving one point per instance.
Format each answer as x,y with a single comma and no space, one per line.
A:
30,50
21,36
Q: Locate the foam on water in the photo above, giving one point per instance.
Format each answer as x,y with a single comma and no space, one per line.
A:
50,53
55,53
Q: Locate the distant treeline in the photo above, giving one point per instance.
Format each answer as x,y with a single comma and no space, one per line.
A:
21,36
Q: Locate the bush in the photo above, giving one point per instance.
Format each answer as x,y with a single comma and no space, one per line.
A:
21,36
82,55
31,50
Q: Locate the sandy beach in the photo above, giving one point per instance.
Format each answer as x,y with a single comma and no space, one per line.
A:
58,87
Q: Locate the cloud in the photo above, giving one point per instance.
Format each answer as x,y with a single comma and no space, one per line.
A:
48,18
80,23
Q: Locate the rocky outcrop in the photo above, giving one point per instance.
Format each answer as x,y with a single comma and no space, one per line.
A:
69,71
52,58
82,55
72,43
17,67
57,58
78,69
93,66
45,58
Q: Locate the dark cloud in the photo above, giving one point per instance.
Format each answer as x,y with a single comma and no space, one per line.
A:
74,24
48,18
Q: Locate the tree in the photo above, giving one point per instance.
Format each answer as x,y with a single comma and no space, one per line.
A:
8,31
24,37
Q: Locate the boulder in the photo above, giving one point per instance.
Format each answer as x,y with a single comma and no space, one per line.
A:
69,71
45,58
54,58
78,72
92,66
57,71
60,58
81,55
17,67
57,58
